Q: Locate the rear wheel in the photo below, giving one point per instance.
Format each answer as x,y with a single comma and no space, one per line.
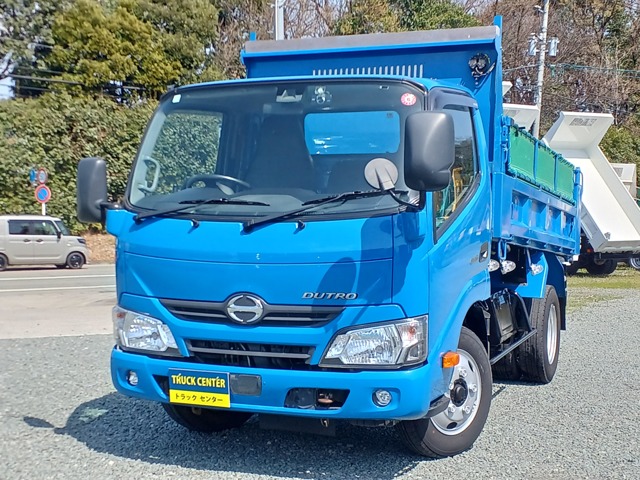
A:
634,262
507,368
601,267
454,430
3,262
205,420
572,269
75,260
538,356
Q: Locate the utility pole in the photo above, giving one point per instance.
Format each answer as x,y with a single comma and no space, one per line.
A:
542,50
278,8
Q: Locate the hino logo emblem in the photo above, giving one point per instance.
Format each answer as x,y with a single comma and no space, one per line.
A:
245,309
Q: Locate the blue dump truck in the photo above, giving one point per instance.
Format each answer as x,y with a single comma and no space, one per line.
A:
355,233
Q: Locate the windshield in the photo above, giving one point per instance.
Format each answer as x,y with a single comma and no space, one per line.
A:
62,227
272,147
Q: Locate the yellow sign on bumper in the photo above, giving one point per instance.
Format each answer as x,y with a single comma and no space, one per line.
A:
198,388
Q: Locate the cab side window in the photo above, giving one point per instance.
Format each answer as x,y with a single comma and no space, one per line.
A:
19,227
465,167
43,228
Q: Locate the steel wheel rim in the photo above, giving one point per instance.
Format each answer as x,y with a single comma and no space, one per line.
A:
75,260
552,334
457,417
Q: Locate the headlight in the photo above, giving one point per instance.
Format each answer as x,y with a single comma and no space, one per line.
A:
391,344
139,332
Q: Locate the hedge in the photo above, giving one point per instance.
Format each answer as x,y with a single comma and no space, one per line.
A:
54,132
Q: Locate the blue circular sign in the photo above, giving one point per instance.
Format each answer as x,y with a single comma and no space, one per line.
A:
43,194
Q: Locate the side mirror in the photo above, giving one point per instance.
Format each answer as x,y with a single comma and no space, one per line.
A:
92,189
429,151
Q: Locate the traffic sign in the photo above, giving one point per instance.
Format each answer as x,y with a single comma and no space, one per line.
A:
43,194
42,176
32,175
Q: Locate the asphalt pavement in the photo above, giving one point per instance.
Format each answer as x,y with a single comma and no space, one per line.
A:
47,301
60,417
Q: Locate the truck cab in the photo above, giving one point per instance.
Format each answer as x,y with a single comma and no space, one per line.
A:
319,243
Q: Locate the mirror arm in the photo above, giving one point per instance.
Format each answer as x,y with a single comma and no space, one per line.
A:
395,196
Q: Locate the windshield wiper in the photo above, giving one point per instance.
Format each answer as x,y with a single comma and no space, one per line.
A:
251,224
187,204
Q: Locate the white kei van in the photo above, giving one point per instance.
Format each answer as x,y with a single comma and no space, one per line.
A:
38,240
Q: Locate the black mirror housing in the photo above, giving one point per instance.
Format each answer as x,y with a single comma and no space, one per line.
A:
429,151
91,189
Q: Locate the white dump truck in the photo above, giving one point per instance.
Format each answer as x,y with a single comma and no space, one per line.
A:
610,215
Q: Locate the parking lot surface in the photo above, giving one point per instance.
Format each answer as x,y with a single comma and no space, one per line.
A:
60,417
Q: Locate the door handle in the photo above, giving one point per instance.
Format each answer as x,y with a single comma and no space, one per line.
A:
26,240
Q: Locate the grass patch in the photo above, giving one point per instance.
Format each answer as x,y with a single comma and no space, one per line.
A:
622,278
580,298
585,289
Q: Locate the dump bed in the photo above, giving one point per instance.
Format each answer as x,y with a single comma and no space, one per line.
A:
610,215
536,195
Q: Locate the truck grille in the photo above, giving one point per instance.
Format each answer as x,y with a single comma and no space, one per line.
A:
274,315
287,357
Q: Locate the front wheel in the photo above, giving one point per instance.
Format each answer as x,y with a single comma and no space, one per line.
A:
75,260
634,262
3,262
205,420
456,429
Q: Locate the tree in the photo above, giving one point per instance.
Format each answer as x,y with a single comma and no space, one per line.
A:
432,14
25,38
97,48
236,21
187,32
364,16
594,69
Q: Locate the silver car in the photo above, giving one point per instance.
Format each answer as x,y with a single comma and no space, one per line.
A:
38,240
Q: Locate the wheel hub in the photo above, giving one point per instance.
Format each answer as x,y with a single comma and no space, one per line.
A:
464,397
459,392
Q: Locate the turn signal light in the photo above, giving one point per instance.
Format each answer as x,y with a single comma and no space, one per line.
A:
450,359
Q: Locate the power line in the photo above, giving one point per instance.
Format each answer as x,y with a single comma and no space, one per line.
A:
617,71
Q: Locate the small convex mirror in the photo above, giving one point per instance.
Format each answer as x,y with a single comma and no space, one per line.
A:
381,174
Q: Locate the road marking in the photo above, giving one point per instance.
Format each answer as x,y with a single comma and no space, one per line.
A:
54,278
53,288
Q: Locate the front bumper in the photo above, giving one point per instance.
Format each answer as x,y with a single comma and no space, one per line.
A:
412,390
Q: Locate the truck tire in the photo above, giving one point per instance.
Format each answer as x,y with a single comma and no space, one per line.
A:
602,267
506,369
634,262
205,420
538,356
572,269
3,262
457,428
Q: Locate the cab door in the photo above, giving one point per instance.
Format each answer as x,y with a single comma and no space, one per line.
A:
20,242
47,244
459,259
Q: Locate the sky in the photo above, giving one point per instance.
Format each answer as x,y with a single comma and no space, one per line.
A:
5,89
